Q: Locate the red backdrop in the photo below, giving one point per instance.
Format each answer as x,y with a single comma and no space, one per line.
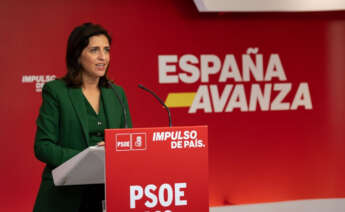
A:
257,156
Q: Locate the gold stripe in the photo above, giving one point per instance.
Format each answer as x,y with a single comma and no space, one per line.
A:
183,99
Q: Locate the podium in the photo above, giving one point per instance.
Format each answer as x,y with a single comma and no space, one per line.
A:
160,169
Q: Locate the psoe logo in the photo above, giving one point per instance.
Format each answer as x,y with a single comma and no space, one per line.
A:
130,142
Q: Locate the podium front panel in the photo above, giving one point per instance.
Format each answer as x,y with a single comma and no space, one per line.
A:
157,169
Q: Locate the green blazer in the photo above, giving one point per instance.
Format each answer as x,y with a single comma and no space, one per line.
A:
62,132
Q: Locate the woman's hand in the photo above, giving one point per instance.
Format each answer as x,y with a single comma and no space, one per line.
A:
101,143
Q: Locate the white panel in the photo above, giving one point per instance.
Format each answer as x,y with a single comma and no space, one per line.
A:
317,205
268,5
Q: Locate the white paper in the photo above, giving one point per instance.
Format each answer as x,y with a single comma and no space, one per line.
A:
87,167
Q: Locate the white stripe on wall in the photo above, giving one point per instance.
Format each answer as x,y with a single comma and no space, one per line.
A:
269,5
317,205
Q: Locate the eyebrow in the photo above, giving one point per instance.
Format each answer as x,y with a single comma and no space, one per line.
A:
98,46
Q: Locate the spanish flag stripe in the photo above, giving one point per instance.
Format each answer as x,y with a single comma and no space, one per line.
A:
182,99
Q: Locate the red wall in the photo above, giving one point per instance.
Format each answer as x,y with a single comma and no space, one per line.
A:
255,156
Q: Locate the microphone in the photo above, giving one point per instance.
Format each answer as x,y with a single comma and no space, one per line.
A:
121,103
159,100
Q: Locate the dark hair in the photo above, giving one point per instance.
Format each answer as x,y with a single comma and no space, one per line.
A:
77,41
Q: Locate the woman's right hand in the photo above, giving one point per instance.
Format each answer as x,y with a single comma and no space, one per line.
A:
101,143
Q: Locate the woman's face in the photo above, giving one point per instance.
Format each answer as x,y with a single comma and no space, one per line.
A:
95,57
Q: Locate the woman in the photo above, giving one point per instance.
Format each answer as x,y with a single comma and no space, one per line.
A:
74,113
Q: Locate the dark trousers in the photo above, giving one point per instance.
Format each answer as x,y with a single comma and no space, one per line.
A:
92,198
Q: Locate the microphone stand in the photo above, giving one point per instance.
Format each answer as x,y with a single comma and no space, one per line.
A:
159,100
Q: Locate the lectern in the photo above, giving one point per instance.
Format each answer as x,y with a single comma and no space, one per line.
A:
160,169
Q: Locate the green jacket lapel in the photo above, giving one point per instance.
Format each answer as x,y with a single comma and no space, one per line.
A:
77,100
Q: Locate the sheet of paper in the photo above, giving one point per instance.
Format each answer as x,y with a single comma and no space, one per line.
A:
87,167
